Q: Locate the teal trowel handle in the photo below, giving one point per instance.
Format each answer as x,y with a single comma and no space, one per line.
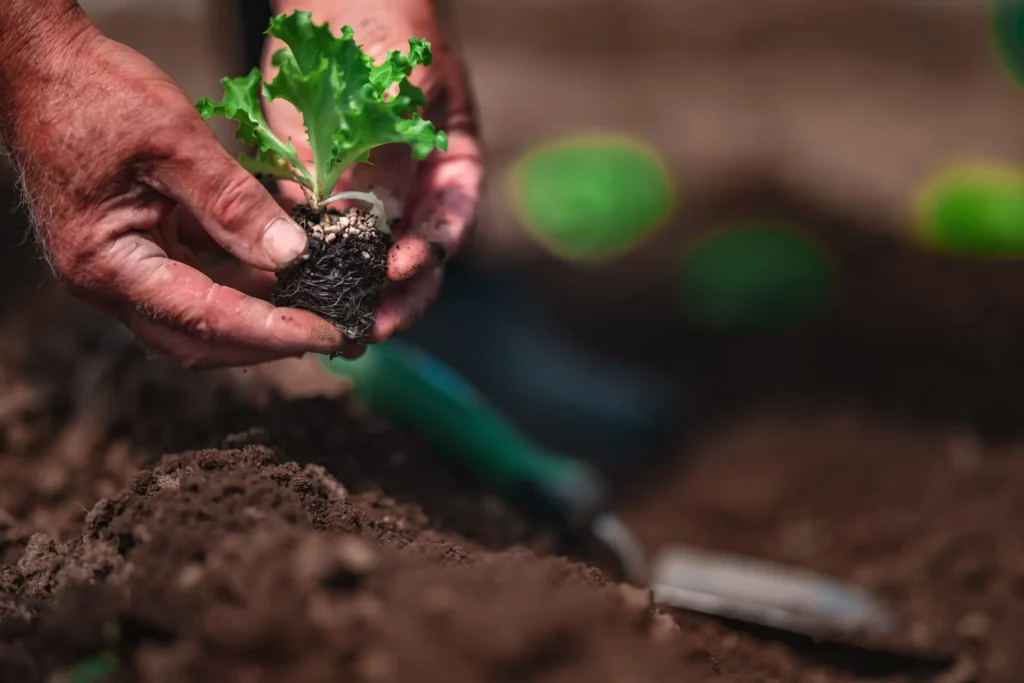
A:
418,393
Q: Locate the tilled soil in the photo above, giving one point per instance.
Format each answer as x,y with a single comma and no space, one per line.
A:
255,562
297,540
165,526
928,521
230,565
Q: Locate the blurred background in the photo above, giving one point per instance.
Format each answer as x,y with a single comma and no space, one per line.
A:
776,245
799,194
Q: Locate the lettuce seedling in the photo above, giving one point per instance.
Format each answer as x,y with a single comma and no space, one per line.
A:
349,105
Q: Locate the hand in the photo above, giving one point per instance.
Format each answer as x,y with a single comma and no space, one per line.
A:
129,188
436,198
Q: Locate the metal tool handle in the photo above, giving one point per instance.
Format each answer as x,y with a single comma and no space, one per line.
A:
419,393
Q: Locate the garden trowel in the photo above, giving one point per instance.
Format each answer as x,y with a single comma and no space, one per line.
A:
418,393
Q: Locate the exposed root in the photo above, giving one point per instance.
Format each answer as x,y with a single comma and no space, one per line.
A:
373,200
342,279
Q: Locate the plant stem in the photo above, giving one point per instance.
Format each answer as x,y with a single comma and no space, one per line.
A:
376,206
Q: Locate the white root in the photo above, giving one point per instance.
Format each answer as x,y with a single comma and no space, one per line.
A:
376,206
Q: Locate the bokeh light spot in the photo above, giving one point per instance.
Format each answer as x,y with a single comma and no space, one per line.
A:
973,210
590,197
1008,32
755,279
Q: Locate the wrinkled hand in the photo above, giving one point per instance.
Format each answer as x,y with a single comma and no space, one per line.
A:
436,198
129,188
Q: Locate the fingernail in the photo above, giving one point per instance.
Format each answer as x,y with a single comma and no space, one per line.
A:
407,258
284,242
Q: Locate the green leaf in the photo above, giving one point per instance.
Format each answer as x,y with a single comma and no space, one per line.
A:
397,67
242,104
422,137
346,101
307,79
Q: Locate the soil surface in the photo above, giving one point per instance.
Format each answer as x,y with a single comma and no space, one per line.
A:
191,527
253,561
343,277
170,527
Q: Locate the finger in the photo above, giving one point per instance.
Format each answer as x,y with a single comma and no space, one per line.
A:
353,350
194,353
192,234
389,178
445,207
289,200
405,304
289,194
244,278
188,243
134,270
231,205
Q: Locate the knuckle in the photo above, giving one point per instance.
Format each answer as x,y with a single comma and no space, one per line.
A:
199,320
199,327
234,199
182,139
189,322
169,143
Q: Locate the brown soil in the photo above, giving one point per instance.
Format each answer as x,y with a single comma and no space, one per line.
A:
192,531
253,562
343,277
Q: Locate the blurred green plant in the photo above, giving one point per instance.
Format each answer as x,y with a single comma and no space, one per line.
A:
1008,33
95,669
102,666
974,209
592,197
755,279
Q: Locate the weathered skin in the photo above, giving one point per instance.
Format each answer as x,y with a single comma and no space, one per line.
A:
128,188
437,198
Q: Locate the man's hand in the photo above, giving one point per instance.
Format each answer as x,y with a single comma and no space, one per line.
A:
129,187
436,198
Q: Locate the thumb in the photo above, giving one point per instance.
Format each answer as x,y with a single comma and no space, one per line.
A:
234,207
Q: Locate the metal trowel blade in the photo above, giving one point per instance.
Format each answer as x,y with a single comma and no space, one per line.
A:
758,592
